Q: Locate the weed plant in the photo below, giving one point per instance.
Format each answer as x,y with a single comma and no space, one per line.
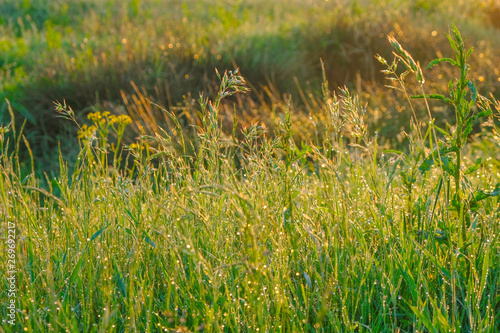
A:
247,233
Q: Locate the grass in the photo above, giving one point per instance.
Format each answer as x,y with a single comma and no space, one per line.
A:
286,207
250,232
99,54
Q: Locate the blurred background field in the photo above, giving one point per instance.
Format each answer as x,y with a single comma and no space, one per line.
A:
122,55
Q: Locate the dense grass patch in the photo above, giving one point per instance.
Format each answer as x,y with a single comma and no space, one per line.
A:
245,232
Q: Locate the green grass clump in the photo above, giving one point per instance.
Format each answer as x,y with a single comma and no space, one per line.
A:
243,233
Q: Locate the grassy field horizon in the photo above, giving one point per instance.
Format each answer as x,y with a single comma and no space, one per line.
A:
249,166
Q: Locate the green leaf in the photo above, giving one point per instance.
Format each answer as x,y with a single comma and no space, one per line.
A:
448,165
485,113
467,129
469,52
119,280
439,318
77,267
442,131
132,216
451,88
474,167
429,160
95,235
485,270
64,257
480,194
434,96
453,44
456,33
392,151
425,319
471,104
426,164
440,60
473,90
148,240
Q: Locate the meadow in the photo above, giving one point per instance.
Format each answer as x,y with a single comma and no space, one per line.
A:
342,175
